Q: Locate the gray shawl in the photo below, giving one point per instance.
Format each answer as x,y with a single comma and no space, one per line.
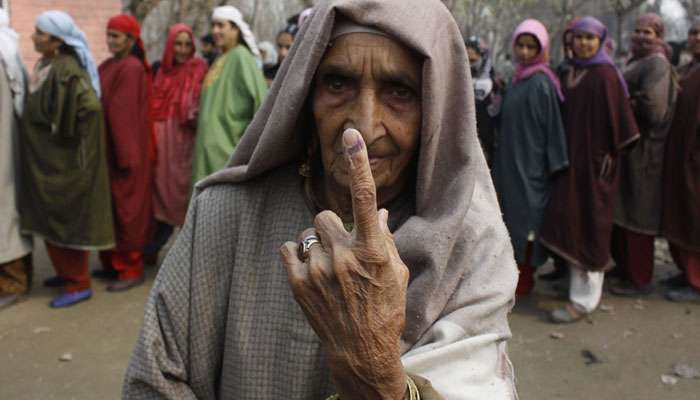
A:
653,90
221,321
452,174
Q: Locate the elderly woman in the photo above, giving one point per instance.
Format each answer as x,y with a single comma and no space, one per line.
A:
175,109
370,304
65,188
599,125
532,147
650,78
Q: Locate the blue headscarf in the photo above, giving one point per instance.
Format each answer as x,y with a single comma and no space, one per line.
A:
595,27
61,25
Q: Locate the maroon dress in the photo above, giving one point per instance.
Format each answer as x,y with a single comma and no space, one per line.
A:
599,123
681,213
125,100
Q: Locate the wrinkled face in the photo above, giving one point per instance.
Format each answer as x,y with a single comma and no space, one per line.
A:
526,49
45,44
586,45
474,56
284,43
226,34
184,48
119,43
694,40
644,32
373,84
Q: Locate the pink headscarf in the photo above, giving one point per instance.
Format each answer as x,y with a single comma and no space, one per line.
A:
540,63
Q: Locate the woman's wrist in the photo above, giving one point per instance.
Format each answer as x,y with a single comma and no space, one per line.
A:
374,378
411,391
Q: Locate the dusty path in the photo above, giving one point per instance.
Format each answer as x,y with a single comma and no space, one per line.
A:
635,341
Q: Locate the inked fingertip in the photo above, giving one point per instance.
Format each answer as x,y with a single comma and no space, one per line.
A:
352,140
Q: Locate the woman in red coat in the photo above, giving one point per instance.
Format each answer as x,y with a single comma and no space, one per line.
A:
175,108
125,80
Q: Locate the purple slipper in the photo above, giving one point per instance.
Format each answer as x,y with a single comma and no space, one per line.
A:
68,299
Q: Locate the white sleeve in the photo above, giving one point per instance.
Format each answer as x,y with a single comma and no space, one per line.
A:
463,368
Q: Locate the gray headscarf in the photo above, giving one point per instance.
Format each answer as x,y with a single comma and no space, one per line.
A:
61,25
456,244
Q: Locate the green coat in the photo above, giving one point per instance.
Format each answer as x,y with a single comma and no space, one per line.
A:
233,90
65,195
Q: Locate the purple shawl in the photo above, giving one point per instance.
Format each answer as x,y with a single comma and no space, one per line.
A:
539,64
595,27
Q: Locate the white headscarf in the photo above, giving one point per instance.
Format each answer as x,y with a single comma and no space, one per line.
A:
231,13
61,25
270,56
10,57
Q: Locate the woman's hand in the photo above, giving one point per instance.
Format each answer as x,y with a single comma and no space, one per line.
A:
352,289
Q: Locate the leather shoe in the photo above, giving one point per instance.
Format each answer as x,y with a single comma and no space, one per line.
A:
67,299
684,295
121,286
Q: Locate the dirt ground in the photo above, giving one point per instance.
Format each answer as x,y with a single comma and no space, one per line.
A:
621,352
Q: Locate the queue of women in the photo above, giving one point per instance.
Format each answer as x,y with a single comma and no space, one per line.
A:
345,239
593,164
103,158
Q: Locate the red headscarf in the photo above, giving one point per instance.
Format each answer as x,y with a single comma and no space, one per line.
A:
129,25
642,47
177,86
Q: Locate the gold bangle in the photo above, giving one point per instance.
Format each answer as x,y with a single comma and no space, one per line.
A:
413,393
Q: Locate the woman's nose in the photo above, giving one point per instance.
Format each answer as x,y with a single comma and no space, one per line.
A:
366,115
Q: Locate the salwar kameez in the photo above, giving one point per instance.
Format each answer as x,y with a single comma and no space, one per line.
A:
233,90
126,105
638,207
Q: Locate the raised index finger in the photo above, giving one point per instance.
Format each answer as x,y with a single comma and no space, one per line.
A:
362,188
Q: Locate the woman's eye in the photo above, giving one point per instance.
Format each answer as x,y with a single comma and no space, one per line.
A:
401,92
336,83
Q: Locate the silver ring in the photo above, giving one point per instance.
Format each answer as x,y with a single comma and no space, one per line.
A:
305,246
